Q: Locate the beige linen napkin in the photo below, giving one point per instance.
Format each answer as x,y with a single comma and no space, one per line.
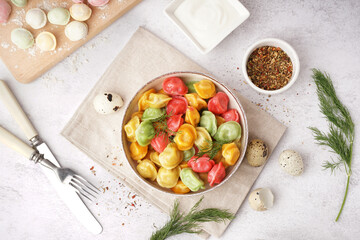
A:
143,58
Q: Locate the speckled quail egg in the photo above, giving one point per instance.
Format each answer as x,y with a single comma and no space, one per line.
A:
257,153
261,199
291,162
107,102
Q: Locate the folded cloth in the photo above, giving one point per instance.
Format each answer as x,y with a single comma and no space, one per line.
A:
143,58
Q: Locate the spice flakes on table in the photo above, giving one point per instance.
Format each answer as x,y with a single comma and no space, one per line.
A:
269,68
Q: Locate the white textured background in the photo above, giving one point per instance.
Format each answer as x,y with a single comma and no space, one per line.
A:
324,33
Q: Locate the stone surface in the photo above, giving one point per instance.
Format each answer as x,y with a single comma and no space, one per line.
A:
324,33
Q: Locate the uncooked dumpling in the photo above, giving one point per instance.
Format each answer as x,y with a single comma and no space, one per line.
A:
22,38
98,3
5,10
36,18
76,31
19,3
80,12
46,41
59,16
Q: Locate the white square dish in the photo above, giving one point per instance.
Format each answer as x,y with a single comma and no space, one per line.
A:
229,13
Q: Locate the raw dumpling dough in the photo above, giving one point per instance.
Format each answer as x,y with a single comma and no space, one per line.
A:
46,41
76,31
98,3
59,16
5,10
36,18
80,12
19,3
22,38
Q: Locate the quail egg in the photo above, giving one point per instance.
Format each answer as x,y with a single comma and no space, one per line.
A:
291,162
261,199
106,103
257,153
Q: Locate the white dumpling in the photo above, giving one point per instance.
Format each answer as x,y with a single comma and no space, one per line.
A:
291,162
76,30
106,103
36,18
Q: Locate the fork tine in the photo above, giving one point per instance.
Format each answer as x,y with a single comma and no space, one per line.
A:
81,191
84,186
88,184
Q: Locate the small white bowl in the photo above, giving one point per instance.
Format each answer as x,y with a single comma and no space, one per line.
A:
240,9
289,50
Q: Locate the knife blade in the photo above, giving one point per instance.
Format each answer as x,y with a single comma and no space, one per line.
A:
68,195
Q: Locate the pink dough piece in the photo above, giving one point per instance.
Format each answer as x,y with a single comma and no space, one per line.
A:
78,1
98,3
5,10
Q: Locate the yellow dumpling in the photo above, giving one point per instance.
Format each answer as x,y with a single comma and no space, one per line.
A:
157,100
185,137
192,116
131,127
196,101
137,152
171,156
203,140
230,153
142,104
147,169
205,88
154,156
168,178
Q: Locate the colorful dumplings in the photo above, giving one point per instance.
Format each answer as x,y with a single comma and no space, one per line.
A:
175,131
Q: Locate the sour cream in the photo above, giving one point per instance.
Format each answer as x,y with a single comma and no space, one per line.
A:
210,21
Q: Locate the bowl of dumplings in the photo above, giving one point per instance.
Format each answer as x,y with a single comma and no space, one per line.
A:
184,133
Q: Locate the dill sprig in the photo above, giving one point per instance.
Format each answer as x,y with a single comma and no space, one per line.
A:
190,223
161,126
341,135
213,147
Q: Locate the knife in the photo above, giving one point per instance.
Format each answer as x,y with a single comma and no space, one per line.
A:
66,193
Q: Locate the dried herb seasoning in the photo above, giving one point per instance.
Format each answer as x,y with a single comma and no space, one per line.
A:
269,68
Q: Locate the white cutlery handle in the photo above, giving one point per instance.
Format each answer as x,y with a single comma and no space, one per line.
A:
16,144
16,111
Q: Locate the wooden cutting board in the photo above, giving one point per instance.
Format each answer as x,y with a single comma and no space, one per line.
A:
27,65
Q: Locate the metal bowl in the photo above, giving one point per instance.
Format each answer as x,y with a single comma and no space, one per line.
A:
185,76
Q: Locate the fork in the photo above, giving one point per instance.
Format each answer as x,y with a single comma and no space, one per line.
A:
69,177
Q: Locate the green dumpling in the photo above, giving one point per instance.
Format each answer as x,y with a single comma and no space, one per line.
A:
19,3
59,16
153,114
228,132
145,133
208,121
22,38
191,179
